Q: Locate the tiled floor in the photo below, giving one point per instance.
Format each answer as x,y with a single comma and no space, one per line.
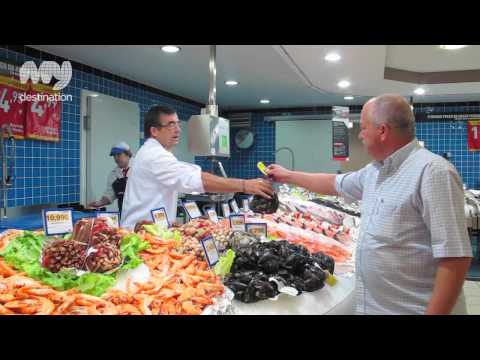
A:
472,296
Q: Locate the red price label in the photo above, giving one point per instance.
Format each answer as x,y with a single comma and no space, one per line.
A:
12,106
43,114
473,135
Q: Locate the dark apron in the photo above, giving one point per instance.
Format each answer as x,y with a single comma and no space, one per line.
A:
119,187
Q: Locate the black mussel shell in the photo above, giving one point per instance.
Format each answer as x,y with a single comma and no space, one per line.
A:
264,206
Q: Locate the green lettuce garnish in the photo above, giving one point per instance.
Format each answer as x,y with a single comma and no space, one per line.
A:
225,263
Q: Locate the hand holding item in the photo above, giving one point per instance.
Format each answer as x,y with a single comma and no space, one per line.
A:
260,187
278,173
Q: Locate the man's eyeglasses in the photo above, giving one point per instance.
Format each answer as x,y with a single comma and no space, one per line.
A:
170,125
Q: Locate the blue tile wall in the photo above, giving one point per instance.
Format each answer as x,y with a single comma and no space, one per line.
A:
48,172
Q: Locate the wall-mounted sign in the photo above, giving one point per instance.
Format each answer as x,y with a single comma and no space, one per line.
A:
340,125
473,135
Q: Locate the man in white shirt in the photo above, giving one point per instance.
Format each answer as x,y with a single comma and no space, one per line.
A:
117,179
156,177
413,251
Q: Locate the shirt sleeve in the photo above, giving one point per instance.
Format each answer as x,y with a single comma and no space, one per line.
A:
178,175
350,185
443,211
109,193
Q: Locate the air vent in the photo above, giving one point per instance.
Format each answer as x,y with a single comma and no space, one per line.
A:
240,120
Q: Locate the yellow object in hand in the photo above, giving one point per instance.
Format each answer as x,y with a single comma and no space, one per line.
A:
263,169
331,279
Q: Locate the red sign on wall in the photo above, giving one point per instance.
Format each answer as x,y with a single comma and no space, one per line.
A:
43,114
12,106
473,135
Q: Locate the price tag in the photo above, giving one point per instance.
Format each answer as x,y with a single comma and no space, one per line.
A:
257,229
57,221
234,206
159,216
246,208
192,209
226,210
212,215
237,222
210,249
112,215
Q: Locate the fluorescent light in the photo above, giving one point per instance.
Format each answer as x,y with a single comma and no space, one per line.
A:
171,49
93,95
332,57
348,97
419,91
264,101
344,84
452,47
231,83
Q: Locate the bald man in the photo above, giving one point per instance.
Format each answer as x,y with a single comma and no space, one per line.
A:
413,251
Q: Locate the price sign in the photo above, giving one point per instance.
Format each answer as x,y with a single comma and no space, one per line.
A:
473,135
237,222
57,221
112,215
210,249
212,215
192,209
43,114
234,206
257,229
159,216
12,105
226,210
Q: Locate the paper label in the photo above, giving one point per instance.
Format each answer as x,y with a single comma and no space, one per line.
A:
159,216
237,222
57,221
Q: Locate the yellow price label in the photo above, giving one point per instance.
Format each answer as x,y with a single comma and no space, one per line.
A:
58,217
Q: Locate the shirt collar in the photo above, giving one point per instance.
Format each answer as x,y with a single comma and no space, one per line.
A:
396,159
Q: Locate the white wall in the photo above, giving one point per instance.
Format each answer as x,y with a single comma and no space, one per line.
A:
311,142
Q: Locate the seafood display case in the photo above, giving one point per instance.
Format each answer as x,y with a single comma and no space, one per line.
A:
294,257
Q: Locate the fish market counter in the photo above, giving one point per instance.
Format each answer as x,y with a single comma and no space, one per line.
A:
330,300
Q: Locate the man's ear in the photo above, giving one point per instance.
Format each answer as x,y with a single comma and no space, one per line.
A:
384,131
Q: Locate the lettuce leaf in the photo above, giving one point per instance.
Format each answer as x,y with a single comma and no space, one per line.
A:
225,263
95,284
130,246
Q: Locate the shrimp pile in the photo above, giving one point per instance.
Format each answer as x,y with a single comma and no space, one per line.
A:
180,284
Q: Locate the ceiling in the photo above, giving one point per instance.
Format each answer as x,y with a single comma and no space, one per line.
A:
287,75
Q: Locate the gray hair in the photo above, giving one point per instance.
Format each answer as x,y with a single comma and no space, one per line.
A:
394,110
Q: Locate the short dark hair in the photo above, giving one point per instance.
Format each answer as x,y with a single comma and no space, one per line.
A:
152,117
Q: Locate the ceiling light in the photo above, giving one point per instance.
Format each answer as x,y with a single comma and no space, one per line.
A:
344,84
419,91
93,95
264,101
231,83
171,49
332,57
452,47
348,97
